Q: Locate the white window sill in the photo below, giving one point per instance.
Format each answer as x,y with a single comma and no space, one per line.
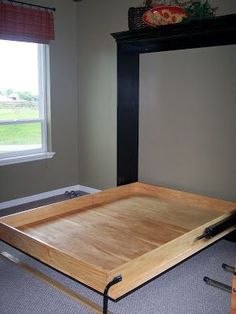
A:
26,158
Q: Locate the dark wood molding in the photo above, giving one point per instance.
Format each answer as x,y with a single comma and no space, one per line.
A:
216,31
127,116
199,33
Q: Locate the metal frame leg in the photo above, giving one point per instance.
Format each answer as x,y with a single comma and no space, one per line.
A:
105,294
217,284
95,308
228,268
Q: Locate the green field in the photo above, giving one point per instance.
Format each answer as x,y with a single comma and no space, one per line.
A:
18,113
29,133
19,134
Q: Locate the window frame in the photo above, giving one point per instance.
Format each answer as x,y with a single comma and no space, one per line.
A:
44,116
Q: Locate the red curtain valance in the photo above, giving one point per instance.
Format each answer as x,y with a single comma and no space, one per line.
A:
22,23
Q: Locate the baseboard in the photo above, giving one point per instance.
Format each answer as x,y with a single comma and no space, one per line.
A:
87,189
41,196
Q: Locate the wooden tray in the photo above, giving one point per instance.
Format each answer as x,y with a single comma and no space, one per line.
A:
136,231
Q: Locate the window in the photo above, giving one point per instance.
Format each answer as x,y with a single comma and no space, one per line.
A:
24,101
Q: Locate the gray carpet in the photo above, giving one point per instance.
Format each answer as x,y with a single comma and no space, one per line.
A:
179,291
46,201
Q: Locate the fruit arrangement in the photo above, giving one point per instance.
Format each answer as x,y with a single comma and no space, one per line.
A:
175,11
163,15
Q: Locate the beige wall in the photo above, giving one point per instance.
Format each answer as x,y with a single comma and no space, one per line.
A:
97,88
97,108
84,129
40,176
187,120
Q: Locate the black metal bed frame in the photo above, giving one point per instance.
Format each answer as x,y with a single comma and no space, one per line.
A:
106,290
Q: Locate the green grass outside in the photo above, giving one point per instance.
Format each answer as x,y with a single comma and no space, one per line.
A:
18,113
19,134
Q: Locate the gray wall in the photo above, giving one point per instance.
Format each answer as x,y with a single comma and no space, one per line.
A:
40,176
198,121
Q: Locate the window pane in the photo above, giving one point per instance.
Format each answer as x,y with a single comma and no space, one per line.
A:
20,137
19,80
11,110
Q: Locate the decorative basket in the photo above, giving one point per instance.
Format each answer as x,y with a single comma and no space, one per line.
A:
135,18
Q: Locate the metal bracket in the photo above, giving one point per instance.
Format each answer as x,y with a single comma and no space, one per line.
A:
71,194
219,227
105,294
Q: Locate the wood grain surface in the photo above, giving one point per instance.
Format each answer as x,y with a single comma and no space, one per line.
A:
137,231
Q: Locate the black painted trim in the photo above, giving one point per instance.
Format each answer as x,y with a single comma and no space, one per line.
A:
195,34
127,116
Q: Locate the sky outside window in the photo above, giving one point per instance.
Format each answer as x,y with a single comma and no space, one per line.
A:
18,66
19,106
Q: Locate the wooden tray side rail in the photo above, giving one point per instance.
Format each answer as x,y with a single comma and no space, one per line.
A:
68,206
67,264
182,196
152,264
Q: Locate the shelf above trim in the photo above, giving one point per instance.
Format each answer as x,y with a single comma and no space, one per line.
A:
194,34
